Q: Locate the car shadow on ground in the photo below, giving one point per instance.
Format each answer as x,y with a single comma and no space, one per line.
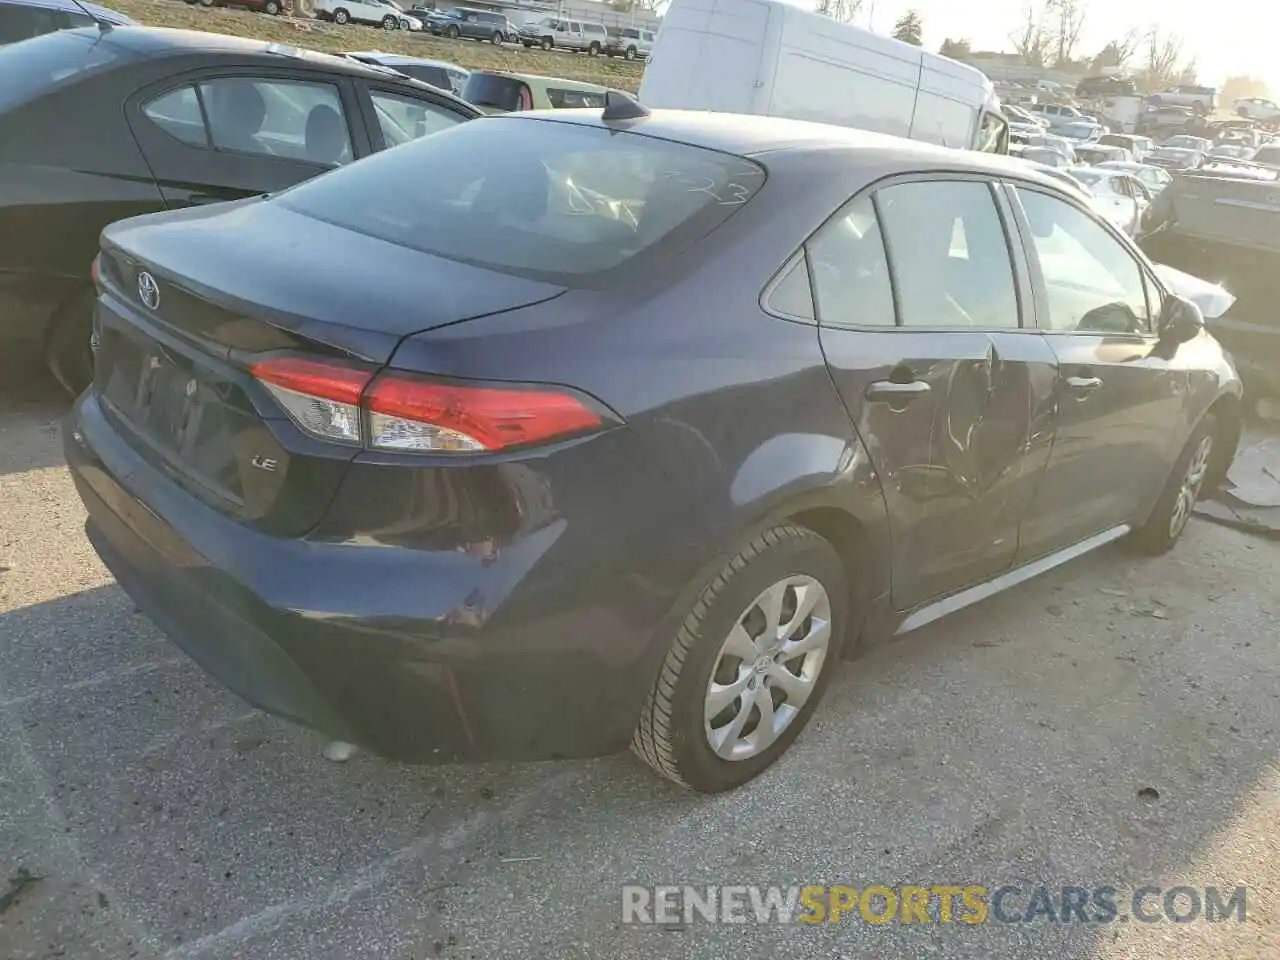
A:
1110,723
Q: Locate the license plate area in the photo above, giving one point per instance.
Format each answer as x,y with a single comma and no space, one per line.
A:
185,415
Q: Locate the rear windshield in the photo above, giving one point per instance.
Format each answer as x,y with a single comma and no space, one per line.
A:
30,67
497,92
537,198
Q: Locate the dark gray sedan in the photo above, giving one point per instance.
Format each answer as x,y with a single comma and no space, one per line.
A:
627,429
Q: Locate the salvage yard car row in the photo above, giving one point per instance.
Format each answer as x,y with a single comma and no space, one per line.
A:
546,435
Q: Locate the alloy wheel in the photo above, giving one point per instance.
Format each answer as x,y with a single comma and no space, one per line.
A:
767,668
1192,481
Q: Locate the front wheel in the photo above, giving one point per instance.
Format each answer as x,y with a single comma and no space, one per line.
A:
548,43
1181,491
497,38
451,32
749,663
594,49
390,23
341,17
272,8
631,53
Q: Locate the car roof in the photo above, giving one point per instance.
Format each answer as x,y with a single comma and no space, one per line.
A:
777,138
68,6
1129,166
160,42
393,58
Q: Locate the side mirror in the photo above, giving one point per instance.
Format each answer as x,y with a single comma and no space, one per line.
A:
1180,320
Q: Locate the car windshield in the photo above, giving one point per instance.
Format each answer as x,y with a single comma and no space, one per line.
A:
30,67
533,197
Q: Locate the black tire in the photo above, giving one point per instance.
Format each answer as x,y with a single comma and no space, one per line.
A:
272,8
1161,531
548,43
341,17
497,37
451,32
671,735
594,49
207,3
390,23
67,350
631,53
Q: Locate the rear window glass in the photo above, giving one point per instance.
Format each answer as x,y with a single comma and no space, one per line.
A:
31,67
497,92
574,99
533,197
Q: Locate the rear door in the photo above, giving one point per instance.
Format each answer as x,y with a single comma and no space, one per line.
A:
921,300
1119,401
224,134
397,114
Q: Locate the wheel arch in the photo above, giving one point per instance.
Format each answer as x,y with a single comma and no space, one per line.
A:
1228,414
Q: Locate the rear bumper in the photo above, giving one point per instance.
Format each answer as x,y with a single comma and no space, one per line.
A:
383,646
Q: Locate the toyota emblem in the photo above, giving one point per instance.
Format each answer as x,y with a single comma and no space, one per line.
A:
148,291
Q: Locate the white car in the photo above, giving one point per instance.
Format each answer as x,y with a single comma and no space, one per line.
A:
1092,154
377,13
1118,196
1153,178
1257,108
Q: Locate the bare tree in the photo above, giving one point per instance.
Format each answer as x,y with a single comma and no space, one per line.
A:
1163,53
1031,39
842,10
1065,20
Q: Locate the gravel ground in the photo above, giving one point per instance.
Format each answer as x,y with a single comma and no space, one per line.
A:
145,812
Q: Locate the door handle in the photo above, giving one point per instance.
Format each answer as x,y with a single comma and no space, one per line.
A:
1083,385
891,391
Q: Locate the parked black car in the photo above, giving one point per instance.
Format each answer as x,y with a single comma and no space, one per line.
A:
98,126
626,429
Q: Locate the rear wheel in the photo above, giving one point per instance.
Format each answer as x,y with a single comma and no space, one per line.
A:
749,663
272,8
547,43
1181,491
594,49
67,349
341,17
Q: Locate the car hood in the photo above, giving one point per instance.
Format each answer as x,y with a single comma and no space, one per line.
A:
1212,298
256,258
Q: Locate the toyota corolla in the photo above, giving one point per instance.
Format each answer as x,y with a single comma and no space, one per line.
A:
626,429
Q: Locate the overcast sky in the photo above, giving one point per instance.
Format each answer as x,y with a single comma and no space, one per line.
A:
1227,36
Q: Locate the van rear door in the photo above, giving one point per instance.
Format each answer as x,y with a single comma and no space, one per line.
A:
707,56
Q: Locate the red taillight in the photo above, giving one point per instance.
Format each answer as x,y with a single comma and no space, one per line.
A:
405,412
317,378
322,398
411,413
95,272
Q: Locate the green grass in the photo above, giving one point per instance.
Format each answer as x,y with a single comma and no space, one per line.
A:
330,38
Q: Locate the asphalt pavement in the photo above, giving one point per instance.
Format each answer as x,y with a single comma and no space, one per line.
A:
1112,723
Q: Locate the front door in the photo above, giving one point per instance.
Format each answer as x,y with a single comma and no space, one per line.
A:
919,307
1119,401
224,135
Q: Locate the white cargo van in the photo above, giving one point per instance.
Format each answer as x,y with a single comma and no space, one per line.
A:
771,58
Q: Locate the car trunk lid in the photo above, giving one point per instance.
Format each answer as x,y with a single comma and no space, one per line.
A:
191,299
